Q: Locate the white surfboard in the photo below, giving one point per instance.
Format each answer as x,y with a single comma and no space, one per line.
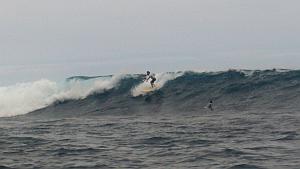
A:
149,89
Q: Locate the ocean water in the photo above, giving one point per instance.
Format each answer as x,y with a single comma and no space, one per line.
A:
111,124
205,140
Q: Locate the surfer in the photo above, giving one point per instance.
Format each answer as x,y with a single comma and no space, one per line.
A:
152,77
210,105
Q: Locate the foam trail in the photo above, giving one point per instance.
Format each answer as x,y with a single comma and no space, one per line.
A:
26,97
162,78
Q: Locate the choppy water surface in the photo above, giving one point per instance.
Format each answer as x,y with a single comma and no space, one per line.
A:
205,140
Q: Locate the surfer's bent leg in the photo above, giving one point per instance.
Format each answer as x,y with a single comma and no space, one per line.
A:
152,82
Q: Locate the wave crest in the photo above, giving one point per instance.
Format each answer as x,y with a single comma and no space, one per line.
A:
26,97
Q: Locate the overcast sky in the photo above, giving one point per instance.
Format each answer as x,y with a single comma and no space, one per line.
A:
60,38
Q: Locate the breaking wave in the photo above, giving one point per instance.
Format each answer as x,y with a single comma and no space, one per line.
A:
26,97
177,92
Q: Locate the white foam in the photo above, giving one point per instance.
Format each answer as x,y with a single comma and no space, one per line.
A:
26,97
162,79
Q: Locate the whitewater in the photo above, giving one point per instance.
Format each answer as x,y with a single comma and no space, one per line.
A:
26,97
109,122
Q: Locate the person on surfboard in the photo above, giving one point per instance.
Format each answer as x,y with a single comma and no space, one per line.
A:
152,77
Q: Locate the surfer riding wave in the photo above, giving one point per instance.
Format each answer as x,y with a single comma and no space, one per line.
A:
152,77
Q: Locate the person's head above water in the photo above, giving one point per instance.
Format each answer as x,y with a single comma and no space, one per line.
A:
148,72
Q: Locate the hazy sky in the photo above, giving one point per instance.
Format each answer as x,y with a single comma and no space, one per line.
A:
61,38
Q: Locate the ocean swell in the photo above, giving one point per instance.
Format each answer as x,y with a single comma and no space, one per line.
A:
180,92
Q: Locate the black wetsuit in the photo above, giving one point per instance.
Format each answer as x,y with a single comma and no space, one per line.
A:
153,79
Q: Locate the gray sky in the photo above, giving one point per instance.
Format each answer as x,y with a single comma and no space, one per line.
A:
60,38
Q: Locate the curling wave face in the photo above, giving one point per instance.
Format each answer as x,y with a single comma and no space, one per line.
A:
26,97
178,92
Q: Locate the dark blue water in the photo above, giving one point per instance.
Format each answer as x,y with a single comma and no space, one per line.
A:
204,139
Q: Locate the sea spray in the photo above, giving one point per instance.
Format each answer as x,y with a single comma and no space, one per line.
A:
162,78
